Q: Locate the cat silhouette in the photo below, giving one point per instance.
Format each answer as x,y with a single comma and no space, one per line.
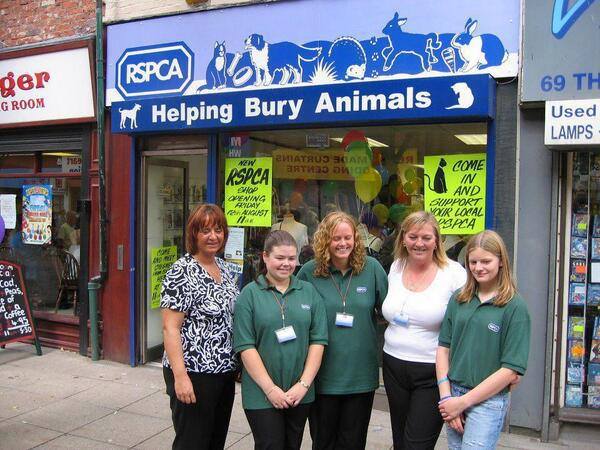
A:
216,71
439,180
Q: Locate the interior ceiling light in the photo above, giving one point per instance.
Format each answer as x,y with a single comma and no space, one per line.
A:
472,139
372,142
60,154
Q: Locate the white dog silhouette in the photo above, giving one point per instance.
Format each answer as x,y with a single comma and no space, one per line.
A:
130,114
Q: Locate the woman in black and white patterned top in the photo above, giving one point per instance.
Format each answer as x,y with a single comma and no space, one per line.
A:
199,365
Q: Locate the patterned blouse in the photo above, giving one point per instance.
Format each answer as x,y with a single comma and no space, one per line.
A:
207,330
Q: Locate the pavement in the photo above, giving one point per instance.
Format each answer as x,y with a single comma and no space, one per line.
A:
62,400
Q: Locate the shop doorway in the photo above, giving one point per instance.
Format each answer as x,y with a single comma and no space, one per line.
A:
173,184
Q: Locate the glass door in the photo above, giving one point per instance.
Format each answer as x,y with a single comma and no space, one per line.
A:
174,183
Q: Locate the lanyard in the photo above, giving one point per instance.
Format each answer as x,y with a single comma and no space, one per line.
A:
281,307
345,295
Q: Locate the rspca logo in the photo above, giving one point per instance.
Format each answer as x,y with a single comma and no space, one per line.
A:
155,70
361,290
493,327
305,306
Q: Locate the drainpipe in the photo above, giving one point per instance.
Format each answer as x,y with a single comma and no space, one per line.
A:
95,284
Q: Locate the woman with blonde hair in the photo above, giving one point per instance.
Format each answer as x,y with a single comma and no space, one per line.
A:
352,285
421,282
483,346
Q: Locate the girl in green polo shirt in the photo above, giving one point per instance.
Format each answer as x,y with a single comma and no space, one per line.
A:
352,285
483,347
280,330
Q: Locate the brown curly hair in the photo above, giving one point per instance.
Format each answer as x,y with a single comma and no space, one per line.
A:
322,240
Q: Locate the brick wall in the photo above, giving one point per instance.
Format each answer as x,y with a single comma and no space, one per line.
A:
25,22
123,10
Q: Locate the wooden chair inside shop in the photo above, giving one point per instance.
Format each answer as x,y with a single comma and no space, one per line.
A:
67,269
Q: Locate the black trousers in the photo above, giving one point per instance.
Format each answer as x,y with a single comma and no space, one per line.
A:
341,421
278,429
202,425
413,397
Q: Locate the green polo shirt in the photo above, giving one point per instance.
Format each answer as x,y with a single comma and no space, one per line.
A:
350,362
483,338
257,315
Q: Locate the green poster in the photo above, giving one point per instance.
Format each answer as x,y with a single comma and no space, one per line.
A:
455,192
161,259
248,184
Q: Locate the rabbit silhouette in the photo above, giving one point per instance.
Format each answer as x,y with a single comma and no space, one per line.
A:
478,52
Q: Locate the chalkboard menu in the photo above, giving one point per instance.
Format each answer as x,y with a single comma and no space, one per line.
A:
15,316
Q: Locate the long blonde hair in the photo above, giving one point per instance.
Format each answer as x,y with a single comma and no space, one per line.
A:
322,240
490,241
418,219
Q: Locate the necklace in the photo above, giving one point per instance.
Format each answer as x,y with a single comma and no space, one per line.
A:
212,269
416,284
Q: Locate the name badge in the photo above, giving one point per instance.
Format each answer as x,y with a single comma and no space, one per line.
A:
344,320
401,319
285,334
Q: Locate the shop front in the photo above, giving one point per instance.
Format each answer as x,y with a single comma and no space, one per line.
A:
46,111
559,151
310,116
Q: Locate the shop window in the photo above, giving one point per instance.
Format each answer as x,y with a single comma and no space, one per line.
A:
61,162
313,175
582,383
43,236
17,163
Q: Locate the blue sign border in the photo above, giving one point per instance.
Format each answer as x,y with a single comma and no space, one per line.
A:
460,98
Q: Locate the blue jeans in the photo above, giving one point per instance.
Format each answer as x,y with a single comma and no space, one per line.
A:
483,422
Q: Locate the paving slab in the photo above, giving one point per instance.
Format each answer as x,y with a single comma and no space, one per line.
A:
56,385
113,395
121,428
65,415
14,402
154,405
17,435
164,439
69,442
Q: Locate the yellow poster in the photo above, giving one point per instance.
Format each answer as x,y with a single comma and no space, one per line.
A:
455,191
310,165
248,183
161,259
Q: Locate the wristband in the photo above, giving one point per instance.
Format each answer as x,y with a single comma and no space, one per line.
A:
271,390
304,384
444,398
442,380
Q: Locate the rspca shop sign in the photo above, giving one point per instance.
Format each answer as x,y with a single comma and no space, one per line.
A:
443,98
572,123
308,43
155,70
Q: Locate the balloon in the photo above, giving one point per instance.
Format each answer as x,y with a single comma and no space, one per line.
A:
377,157
410,174
408,187
368,185
329,188
296,199
381,212
397,213
353,136
363,146
2,228
385,175
415,185
357,159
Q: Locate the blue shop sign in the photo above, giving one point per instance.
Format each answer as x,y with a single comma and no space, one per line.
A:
440,98
309,44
